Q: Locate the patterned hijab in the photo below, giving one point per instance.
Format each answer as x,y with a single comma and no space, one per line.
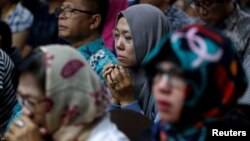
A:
212,71
75,91
148,25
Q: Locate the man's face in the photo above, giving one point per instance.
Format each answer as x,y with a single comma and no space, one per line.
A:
74,24
212,11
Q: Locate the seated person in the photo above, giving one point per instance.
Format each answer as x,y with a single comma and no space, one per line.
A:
137,31
81,23
63,99
196,79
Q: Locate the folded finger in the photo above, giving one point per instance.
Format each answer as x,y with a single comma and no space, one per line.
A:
110,65
118,74
105,73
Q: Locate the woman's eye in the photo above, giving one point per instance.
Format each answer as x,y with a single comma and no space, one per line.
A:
128,38
68,9
116,35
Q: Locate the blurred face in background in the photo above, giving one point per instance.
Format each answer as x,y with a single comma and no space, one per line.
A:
124,44
32,98
213,12
169,90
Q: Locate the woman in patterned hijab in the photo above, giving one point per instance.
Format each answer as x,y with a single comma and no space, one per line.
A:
63,97
196,79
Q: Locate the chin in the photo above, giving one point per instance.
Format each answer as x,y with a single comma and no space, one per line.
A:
124,65
167,118
63,36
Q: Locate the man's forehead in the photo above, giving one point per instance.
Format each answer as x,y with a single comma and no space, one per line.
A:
69,3
79,3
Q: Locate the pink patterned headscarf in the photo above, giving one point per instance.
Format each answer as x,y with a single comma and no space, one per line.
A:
75,91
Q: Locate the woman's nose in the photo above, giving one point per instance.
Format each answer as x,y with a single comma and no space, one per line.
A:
164,84
120,44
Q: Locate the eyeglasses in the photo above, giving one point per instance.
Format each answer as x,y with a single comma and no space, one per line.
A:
174,77
204,4
67,11
28,103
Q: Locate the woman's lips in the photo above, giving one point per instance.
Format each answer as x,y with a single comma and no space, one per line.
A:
164,106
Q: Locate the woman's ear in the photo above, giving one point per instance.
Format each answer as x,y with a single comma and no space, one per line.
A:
96,21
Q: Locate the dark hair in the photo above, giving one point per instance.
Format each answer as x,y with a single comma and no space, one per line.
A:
6,36
102,8
14,1
172,1
34,63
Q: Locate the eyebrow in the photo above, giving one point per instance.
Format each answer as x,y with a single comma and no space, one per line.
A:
123,31
66,4
22,94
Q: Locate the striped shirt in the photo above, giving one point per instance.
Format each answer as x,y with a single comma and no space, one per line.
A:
9,106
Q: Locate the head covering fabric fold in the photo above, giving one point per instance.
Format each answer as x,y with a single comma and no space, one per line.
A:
74,89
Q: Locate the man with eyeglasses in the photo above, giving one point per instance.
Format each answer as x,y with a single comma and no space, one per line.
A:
227,16
80,22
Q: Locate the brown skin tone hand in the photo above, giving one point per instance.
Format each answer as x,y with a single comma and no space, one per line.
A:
120,84
29,132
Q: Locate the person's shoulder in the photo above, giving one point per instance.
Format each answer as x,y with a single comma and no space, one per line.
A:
110,55
107,51
3,55
112,134
5,60
243,19
245,22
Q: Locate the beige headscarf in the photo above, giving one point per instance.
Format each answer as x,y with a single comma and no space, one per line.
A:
75,91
